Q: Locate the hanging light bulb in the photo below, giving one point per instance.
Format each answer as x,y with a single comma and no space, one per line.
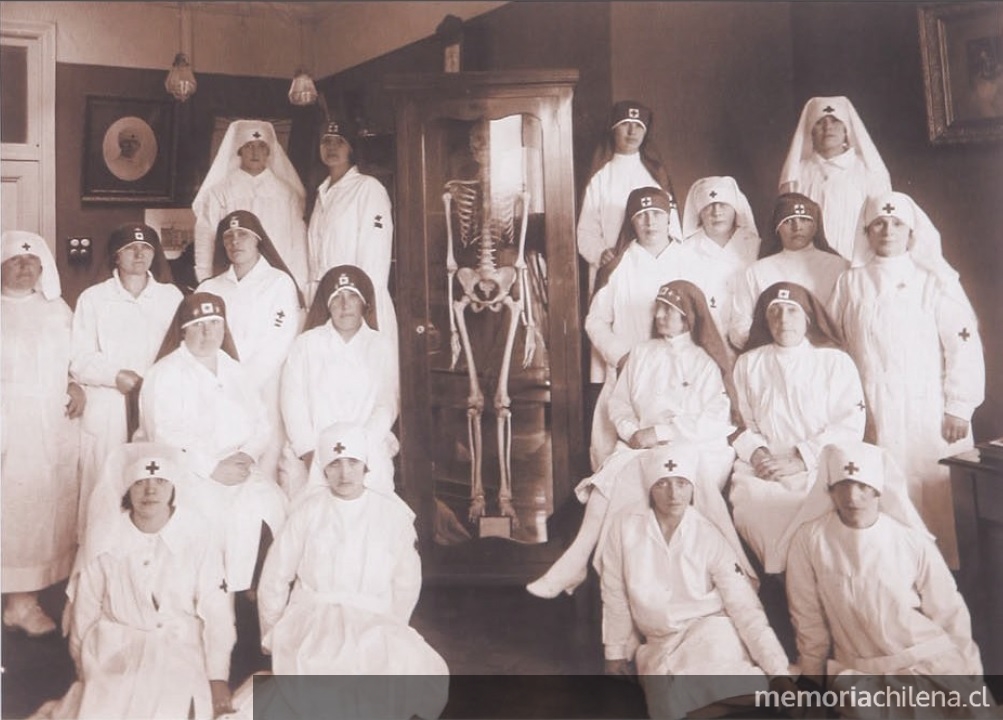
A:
302,91
180,80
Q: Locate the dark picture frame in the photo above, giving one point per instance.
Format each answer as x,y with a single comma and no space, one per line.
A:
130,150
962,48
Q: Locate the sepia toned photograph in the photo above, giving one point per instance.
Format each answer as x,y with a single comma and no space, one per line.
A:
492,359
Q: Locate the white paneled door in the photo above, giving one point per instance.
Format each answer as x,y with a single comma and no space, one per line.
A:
19,198
27,128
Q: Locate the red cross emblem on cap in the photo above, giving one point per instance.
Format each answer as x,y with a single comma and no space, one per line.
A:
633,113
234,222
850,468
646,201
888,208
799,208
339,448
137,234
713,193
152,467
343,279
828,109
206,307
26,247
670,465
784,294
255,135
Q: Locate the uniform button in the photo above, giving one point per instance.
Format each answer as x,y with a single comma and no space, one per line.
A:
160,625
145,563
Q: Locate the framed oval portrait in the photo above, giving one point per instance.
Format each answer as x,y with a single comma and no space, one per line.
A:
129,151
129,148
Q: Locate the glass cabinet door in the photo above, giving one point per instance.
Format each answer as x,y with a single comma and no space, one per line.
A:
489,375
488,300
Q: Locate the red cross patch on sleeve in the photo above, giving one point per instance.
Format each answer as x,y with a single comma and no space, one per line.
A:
378,221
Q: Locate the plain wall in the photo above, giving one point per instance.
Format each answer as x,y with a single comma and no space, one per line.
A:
232,38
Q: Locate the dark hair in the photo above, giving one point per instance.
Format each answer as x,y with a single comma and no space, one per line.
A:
654,322
821,332
249,221
124,235
318,314
772,244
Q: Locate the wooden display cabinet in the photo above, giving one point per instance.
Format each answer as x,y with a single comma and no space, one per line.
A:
485,233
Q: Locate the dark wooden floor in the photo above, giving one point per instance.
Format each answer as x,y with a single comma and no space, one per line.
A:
518,656
510,655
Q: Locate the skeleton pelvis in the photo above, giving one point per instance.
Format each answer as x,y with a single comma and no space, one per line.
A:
486,287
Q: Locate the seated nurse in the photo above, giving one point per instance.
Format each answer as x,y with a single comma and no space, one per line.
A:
674,388
338,589
679,597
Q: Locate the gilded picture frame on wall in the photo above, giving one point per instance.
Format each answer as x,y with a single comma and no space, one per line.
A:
129,151
962,50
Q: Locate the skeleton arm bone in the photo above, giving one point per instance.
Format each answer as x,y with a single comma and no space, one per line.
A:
451,267
526,300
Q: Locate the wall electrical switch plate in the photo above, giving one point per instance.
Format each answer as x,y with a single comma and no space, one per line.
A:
79,250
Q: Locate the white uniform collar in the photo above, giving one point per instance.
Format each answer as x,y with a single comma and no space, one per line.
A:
344,179
355,339
844,160
679,342
120,287
259,269
803,252
799,349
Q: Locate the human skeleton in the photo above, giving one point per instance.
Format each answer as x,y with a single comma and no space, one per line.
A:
487,223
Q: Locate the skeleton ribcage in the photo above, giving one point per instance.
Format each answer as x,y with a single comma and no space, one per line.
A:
468,212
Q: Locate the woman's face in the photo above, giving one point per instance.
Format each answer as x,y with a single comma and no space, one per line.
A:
205,337
254,156
858,504
134,259
888,236
669,321
346,477
627,137
151,498
670,496
651,227
335,152
241,246
19,274
718,220
828,136
346,309
796,233
788,323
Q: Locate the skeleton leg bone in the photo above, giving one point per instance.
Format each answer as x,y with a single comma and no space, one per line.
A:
475,409
503,410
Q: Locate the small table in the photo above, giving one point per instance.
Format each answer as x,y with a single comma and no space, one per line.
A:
977,491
